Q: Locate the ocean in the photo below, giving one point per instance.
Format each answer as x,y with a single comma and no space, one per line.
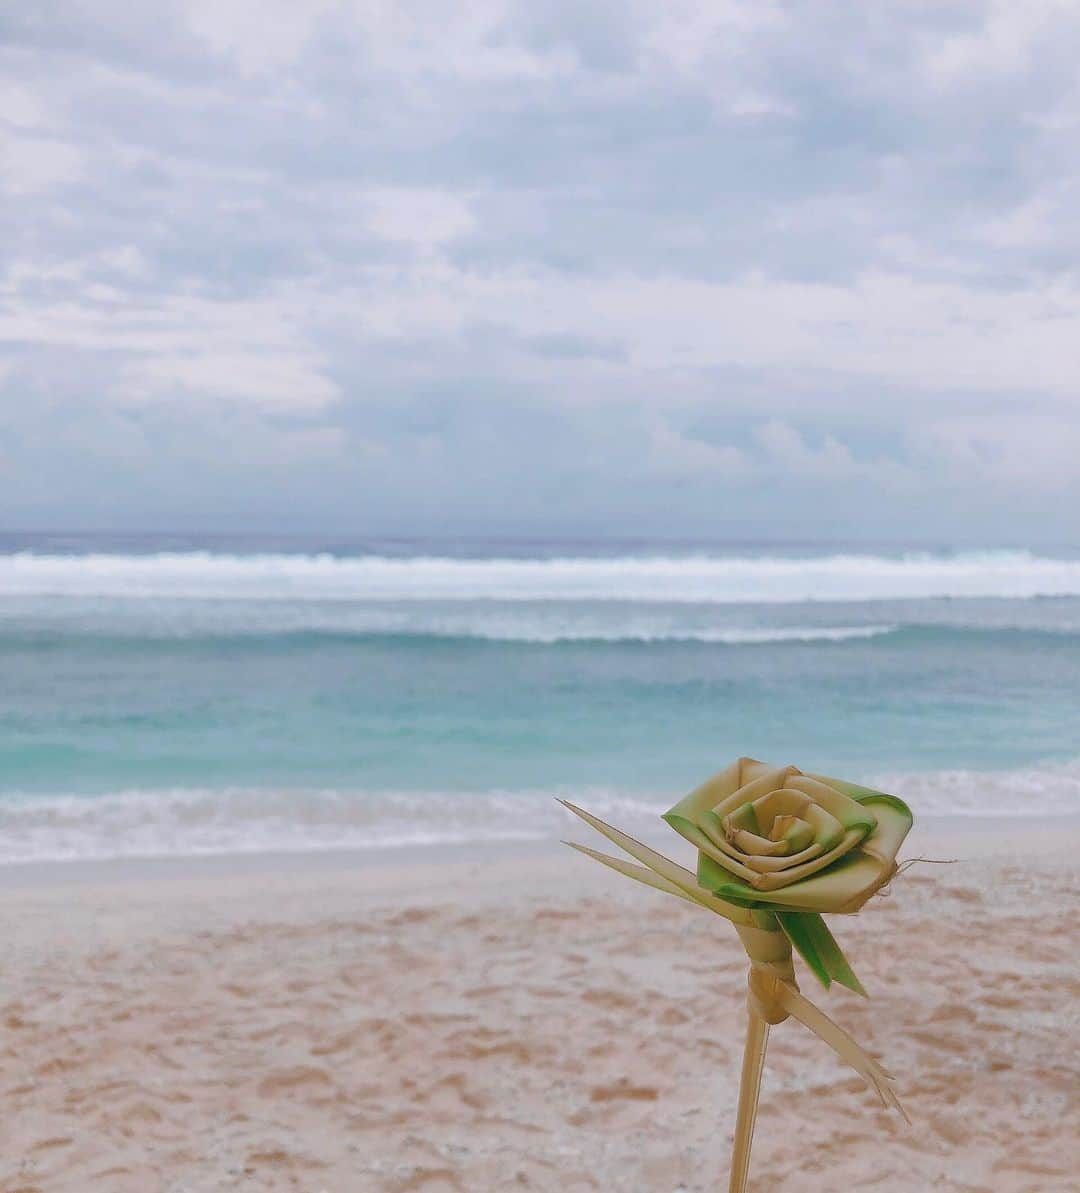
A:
175,695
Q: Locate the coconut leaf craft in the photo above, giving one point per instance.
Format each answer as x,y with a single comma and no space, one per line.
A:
777,849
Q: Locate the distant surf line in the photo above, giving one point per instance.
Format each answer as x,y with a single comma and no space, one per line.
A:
704,579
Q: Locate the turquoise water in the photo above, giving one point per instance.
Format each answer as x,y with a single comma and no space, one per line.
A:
165,700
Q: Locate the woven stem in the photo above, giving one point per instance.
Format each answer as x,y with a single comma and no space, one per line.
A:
771,970
757,1039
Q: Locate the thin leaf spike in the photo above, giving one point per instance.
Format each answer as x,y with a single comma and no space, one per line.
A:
638,873
675,874
843,1045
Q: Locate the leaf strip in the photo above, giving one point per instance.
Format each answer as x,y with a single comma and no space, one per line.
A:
675,874
837,965
797,930
638,873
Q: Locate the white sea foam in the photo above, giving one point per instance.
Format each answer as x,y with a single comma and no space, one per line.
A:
654,633
533,622
697,578
194,822
188,822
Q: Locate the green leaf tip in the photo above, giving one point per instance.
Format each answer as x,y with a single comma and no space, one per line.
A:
817,946
795,929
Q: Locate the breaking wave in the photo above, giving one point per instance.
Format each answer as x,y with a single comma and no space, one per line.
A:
698,578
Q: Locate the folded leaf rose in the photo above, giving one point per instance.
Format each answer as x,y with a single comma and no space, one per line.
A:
775,837
776,849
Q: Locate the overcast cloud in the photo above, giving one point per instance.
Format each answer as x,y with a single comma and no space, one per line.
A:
727,269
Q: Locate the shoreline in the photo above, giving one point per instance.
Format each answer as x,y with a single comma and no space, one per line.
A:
973,836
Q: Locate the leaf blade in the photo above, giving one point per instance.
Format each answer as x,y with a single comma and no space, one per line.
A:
838,966
639,873
797,930
665,867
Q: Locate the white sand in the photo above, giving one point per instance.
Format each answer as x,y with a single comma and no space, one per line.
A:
440,1023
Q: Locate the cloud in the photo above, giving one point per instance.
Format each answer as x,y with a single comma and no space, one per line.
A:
1004,38
279,382
785,445
1028,453
33,164
257,36
677,453
423,217
618,265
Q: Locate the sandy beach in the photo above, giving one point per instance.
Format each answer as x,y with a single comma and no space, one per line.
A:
488,1021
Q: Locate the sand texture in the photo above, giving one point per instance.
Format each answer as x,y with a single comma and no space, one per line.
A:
530,1025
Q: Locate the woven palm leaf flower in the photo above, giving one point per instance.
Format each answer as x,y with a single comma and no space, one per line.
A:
776,849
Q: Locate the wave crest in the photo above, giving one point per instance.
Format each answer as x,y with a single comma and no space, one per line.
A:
668,579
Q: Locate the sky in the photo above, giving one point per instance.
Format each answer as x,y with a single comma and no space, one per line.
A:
613,269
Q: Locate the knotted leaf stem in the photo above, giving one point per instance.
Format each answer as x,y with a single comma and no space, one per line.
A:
773,997
771,969
757,1040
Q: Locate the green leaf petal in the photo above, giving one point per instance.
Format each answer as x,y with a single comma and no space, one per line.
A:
711,792
829,951
843,887
711,875
822,943
797,929
863,795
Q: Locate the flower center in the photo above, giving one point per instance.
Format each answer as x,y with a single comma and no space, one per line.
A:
782,823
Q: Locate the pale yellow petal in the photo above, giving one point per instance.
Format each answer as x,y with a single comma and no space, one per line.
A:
793,831
828,831
712,791
734,858
768,780
774,881
765,865
781,802
846,810
752,844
